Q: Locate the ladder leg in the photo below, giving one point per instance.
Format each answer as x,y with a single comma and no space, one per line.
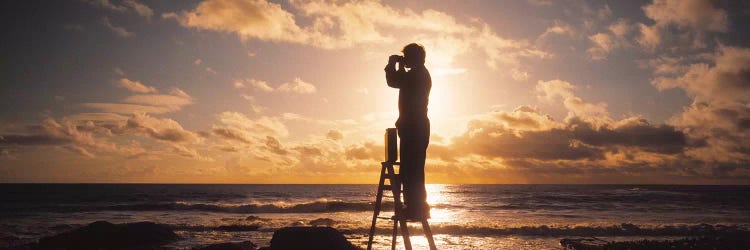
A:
394,236
405,234
376,211
428,234
396,184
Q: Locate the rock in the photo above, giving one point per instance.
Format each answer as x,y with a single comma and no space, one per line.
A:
61,227
298,223
9,241
322,222
105,235
726,241
304,238
245,245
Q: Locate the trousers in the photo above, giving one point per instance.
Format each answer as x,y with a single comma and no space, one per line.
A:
415,137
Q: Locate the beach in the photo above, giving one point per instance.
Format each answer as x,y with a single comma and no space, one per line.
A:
463,216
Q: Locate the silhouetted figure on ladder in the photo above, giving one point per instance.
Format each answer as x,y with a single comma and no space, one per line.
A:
412,124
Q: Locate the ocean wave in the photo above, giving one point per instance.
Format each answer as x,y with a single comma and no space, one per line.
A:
306,207
625,229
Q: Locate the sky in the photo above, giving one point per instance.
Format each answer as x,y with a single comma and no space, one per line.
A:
258,91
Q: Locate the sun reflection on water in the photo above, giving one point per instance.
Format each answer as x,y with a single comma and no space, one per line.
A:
437,197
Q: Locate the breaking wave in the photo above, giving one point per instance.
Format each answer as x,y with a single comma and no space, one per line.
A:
306,207
625,229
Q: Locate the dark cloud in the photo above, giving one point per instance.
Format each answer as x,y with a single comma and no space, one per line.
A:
635,133
524,133
554,144
231,134
273,145
719,114
365,151
32,140
161,129
334,135
309,151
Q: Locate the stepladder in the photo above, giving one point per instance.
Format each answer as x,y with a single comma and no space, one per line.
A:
400,222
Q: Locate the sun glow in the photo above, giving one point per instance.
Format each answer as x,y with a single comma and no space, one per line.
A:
436,195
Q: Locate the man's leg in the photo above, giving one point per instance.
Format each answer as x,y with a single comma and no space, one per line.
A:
407,169
419,197
413,151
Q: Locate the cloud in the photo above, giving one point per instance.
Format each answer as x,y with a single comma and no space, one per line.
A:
335,25
273,145
553,90
528,142
499,141
334,135
135,86
139,8
540,2
123,108
238,84
603,44
144,103
108,5
720,88
693,14
230,133
25,140
297,86
649,37
251,129
169,101
260,85
256,19
119,31
558,28
189,152
118,71
162,129
693,17
365,151
616,36
65,133
109,118
620,28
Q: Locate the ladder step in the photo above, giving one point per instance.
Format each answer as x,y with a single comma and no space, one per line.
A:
386,187
389,176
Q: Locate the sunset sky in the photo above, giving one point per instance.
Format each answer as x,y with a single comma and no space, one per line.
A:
230,91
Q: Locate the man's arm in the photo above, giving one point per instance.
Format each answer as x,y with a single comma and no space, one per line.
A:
394,78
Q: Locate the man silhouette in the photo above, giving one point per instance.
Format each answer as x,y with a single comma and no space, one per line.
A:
413,125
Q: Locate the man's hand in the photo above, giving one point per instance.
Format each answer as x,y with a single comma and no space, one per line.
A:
393,59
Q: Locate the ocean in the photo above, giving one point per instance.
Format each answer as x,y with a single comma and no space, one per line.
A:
463,216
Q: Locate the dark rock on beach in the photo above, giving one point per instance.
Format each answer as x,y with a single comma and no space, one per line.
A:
105,235
309,238
245,245
723,242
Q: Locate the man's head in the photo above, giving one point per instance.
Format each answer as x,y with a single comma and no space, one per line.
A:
414,55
